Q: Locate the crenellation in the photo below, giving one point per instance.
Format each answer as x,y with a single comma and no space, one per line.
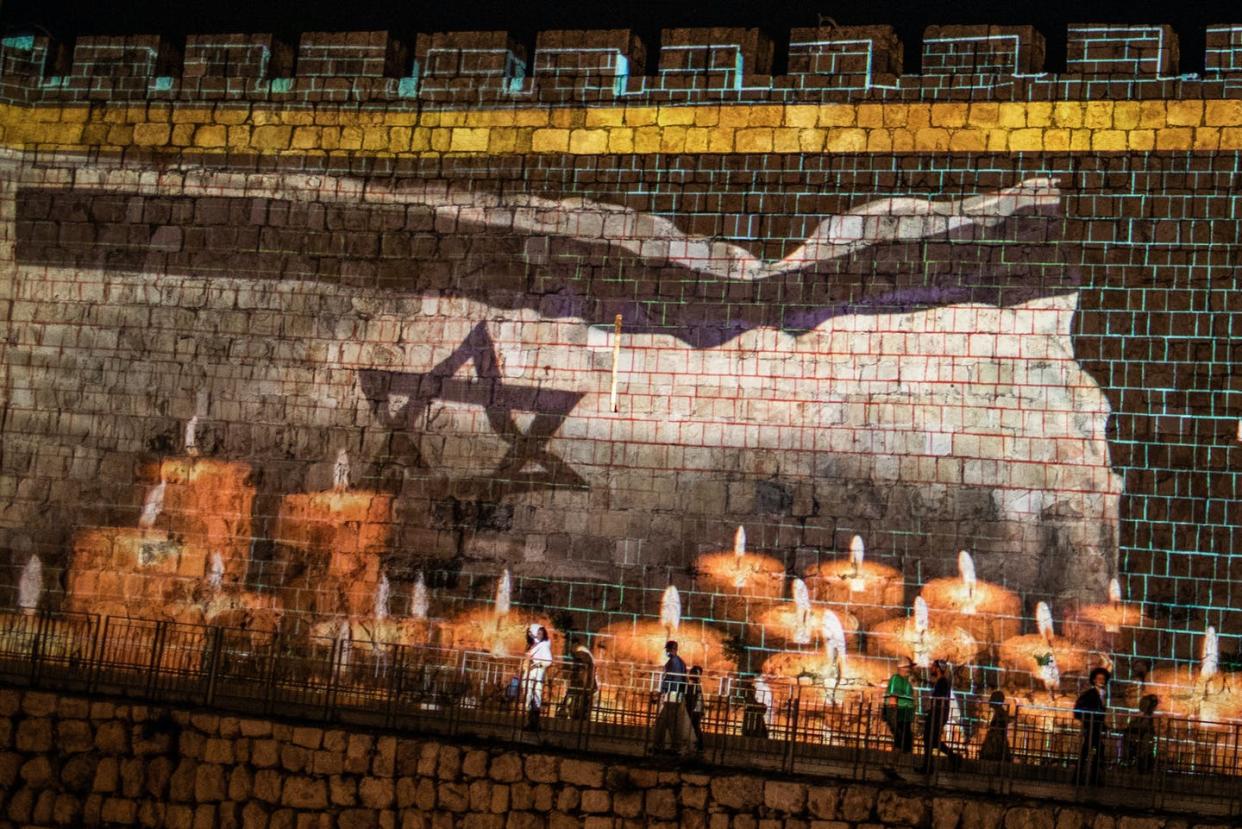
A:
587,65
1224,49
848,58
713,59
456,66
122,68
1121,51
982,50
456,69
233,66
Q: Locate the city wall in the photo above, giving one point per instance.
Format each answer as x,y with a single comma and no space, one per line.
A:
401,266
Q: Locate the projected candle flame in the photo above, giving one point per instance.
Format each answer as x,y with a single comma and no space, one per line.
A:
670,609
420,604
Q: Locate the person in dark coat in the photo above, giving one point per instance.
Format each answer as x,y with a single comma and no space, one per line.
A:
938,710
695,705
1140,735
996,741
671,698
1091,711
582,683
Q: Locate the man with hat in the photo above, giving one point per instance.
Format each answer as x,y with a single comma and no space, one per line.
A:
1091,711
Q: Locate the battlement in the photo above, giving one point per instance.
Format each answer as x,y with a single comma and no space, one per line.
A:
610,66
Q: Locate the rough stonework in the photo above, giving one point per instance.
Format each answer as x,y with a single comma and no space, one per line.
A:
68,761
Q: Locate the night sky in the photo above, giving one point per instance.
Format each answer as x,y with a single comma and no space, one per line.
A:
647,17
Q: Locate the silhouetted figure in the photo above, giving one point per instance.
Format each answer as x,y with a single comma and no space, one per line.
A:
1140,736
695,705
899,708
671,697
996,741
754,712
582,683
1091,711
939,706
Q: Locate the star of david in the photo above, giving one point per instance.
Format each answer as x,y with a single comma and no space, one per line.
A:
397,397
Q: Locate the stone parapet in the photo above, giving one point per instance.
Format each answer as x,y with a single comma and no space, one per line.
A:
695,65
69,761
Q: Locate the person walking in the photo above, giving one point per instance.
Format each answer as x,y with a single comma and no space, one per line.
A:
899,708
996,741
582,683
535,664
938,710
695,705
671,698
1091,711
1140,736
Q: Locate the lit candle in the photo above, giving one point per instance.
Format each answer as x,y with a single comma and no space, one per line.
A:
207,504
838,674
741,575
496,628
640,642
420,605
988,612
30,586
918,639
1115,626
799,623
1042,655
872,592
341,533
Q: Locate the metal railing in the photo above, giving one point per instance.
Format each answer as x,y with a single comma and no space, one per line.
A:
1160,761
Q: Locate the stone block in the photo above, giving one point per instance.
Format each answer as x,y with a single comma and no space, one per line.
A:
37,772
112,737
241,783
74,736
358,819
34,735
738,792
210,785
586,773
660,804
117,810
894,807
38,704
304,793
376,793
858,803
267,785
455,797
568,798
506,768
76,773
789,798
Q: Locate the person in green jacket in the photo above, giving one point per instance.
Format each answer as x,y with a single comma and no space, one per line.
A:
899,708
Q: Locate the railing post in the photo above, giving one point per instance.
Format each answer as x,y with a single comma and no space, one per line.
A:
36,647
212,667
269,685
334,667
791,729
157,656
396,675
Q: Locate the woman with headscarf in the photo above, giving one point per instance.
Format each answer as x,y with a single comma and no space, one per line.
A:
535,664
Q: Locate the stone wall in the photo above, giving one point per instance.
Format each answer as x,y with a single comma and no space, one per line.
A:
980,308
67,761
